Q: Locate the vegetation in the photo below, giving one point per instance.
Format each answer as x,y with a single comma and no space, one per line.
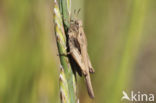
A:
121,44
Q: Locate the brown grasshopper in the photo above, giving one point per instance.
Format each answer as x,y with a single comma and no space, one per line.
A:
78,55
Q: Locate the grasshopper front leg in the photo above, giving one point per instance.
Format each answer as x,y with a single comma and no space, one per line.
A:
64,54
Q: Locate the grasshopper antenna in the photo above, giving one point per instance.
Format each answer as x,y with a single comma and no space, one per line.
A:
78,12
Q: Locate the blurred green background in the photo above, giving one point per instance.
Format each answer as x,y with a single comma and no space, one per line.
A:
121,43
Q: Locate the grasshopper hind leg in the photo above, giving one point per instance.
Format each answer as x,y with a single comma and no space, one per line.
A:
75,67
91,69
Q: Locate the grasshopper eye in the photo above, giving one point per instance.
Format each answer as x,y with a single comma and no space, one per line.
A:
76,23
80,34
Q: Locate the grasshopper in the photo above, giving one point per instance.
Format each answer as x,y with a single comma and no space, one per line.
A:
78,55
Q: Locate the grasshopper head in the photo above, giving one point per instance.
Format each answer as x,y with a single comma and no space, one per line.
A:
78,23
